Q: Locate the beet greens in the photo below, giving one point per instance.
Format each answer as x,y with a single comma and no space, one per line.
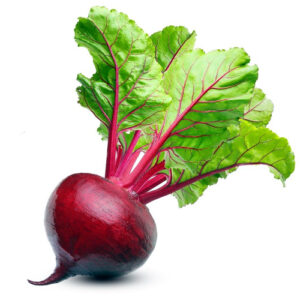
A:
188,117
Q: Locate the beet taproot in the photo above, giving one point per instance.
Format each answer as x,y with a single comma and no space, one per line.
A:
97,228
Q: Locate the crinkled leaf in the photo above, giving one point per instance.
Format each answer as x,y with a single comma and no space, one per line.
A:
259,110
209,93
127,77
171,43
253,146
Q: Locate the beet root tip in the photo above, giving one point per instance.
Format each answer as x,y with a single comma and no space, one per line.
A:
60,273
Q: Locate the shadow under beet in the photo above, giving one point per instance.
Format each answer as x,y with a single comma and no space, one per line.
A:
108,280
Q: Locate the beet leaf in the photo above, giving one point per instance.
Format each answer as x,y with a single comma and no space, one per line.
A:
125,92
171,43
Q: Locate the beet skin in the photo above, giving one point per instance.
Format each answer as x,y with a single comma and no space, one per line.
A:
97,228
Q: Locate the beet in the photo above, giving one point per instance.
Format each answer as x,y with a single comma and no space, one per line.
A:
97,228
176,120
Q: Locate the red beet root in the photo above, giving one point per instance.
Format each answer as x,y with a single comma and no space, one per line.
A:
97,228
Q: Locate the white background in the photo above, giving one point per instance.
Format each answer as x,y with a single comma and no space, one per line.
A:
239,241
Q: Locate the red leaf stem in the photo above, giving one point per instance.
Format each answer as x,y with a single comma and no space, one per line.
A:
152,183
152,195
154,170
128,153
112,132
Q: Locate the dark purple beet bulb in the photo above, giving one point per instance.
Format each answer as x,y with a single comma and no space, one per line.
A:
97,228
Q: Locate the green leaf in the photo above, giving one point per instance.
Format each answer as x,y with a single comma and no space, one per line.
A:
171,43
259,110
127,78
209,93
253,146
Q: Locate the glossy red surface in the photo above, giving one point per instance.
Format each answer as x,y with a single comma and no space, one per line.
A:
97,228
